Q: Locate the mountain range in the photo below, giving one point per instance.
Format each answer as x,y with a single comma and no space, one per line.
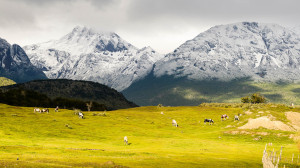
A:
223,64
264,52
223,57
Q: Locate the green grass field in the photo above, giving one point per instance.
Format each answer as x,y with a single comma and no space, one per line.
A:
182,91
5,81
61,139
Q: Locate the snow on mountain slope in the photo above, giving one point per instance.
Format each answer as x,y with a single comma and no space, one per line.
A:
85,54
296,29
264,52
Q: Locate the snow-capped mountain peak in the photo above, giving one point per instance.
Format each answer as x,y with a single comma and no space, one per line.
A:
86,54
246,49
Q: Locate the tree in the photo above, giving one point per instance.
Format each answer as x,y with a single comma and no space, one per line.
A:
245,99
257,98
254,99
89,105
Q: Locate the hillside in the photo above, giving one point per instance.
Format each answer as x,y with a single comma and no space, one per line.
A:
80,90
61,139
5,81
171,91
15,64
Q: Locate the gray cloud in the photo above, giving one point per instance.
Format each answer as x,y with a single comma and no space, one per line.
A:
215,10
96,3
42,2
162,24
13,15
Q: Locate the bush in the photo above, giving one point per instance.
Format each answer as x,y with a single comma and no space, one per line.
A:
245,100
255,98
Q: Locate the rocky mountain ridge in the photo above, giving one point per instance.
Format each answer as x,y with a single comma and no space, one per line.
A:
85,54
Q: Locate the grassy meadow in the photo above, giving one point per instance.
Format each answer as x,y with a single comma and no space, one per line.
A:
5,81
61,139
181,91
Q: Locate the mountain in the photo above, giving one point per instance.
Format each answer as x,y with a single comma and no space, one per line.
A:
264,52
223,64
15,64
85,54
74,90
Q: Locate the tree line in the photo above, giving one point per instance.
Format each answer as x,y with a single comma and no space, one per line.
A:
255,98
29,98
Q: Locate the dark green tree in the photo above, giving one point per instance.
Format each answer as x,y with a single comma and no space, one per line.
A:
245,99
255,98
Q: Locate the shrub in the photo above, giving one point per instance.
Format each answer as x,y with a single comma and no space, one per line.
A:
245,99
255,98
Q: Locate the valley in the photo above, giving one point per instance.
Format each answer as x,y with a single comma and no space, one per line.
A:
149,84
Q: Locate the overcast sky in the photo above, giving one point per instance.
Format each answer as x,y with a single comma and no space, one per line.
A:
161,24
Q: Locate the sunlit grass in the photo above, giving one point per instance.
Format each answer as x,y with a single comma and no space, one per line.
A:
63,140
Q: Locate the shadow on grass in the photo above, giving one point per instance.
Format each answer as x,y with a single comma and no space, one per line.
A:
171,91
274,97
296,91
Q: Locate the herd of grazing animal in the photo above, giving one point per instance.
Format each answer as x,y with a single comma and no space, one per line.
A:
223,117
174,123
210,121
46,110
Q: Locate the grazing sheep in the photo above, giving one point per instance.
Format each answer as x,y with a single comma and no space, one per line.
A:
224,117
161,112
37,110
210,121
293,106
80,114
125,140
56,109
236,118
45,110
174,123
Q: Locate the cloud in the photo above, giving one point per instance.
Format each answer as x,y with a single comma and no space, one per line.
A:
15,15
162,24
213,10
43,3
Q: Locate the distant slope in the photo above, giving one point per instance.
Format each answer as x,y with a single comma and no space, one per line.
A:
171,91
81,90
5,81
15,64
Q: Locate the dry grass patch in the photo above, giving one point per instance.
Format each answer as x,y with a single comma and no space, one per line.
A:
267,123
